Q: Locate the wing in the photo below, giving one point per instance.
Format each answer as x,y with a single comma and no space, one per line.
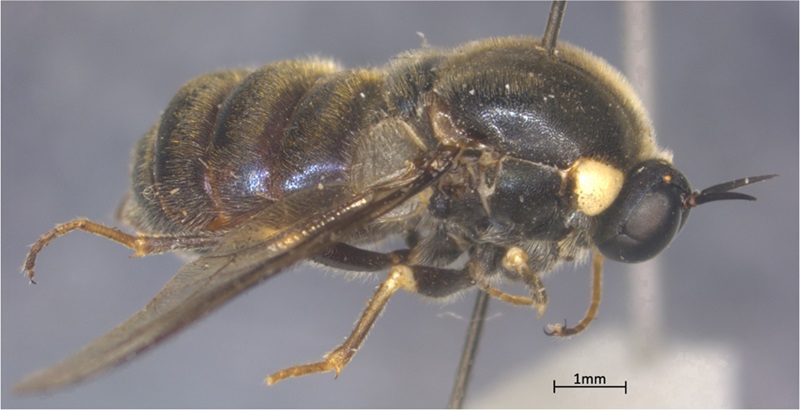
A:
243,258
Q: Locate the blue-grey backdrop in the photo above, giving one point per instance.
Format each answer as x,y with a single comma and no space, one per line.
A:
82,81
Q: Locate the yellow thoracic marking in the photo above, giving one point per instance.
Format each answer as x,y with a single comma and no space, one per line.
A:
595,185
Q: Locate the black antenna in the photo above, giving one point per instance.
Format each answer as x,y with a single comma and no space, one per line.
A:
482,301
553,25
721,191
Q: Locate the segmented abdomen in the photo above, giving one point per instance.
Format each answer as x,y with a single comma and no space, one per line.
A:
233,142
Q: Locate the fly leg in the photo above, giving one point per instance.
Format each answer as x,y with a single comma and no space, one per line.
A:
597,291
425,280
351,258
348,257
400,277
143,245
429,281
516,260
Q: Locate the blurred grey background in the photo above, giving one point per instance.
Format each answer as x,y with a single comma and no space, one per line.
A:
82,81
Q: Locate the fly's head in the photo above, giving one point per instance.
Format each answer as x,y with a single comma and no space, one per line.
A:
652,206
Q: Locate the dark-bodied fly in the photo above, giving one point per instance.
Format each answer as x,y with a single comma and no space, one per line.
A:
519,153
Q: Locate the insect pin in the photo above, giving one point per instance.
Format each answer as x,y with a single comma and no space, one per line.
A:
496,161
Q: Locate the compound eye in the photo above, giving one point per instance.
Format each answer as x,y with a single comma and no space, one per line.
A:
646,215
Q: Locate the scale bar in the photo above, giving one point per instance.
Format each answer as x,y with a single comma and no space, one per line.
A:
590,386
